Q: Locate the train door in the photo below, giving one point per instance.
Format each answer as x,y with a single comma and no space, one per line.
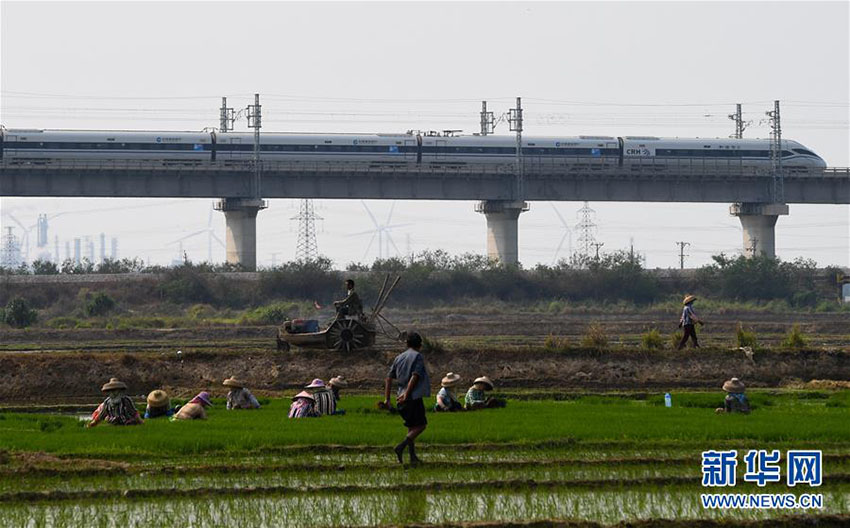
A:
235,146
610,150
410,149
441,149
4,139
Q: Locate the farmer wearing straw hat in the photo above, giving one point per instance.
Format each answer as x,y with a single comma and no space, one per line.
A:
158,405
117,408
446,400
476,396
195,409
736,401
324,398
302,406
239,397
408,369
689,317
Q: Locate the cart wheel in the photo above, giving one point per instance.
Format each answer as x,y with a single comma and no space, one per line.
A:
346,335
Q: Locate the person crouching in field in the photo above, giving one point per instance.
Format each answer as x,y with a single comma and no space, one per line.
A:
303,406
446,400
687,321
117,408
324,398
736,401
476,396
336,384
158,405
408,369
195,409
239,397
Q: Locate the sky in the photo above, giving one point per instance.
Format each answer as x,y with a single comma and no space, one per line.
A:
613,68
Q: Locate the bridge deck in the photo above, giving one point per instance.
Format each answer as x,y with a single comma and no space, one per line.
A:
695,181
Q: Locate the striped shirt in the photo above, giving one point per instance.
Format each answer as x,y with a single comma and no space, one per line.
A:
688,315
325,402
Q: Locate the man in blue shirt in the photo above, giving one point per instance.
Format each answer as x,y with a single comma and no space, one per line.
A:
408,369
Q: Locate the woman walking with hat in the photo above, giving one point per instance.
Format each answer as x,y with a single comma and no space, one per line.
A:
736,401
446,400
158,405
117,408
689,317
239,397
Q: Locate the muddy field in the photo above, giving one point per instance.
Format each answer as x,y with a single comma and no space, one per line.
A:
48,365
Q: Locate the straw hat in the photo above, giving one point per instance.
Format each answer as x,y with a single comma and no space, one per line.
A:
158,398
450,380
113,384
485,380
304,394
233,381
689,299
316,384
734,385
338,381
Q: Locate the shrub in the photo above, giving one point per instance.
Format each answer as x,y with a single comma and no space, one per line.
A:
794,338
98,304
273,314
432,345
555,343
745,338
62,322
676,338
19,314
595,337
652,339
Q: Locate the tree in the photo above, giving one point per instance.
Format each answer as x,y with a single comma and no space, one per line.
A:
44,267
98,304
19,314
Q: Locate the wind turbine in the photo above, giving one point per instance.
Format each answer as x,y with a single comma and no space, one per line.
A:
380,232
568,234
210,237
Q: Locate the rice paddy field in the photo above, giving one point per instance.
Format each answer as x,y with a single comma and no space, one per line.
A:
549,460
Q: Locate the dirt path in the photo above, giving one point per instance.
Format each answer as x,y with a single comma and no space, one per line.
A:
69,377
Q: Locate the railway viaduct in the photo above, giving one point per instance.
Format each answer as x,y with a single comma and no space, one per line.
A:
751,192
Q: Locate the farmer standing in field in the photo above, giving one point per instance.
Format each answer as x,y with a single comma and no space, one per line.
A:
687,321
408,369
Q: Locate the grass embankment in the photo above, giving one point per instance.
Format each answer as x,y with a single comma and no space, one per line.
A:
600,458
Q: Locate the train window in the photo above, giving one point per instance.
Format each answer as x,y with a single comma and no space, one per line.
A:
805,152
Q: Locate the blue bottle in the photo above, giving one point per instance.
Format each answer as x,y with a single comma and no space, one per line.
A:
668,400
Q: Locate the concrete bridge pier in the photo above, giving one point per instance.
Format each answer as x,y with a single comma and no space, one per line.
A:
240,217
502,228
759,221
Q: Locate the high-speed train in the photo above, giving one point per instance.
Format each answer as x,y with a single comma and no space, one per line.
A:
41,146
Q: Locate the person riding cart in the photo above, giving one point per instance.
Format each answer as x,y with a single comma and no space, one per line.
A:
350,306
